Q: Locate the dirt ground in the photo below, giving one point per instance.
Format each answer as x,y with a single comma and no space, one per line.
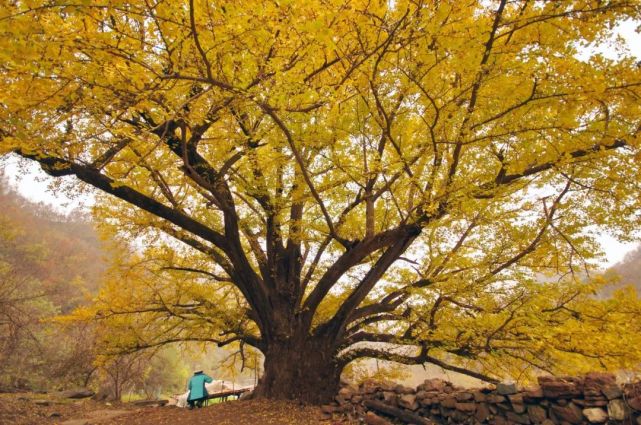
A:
42,409
250,412
28,408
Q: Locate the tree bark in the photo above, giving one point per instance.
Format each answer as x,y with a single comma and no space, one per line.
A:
302,369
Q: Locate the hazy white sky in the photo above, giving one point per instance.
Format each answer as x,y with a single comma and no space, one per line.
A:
31,182
34,184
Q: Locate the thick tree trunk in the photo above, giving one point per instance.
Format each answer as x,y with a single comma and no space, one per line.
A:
300,370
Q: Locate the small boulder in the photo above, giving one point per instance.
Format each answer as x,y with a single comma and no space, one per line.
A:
479,396
595,403
595,415
482,412
555,387
449,403
372,418
504,406
519,419
593,386
494,398
517,402
617,410
458,417
635,403
400,389
426,402
489,388
537,414
570,413
435,384
595,380
390,398
533,394
408,401
499,420
612,391
466,407
464,396
506,389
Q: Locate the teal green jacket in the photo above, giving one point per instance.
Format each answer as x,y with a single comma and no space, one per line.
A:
197,386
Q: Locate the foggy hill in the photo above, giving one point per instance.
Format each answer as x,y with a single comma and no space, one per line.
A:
49,263
628,270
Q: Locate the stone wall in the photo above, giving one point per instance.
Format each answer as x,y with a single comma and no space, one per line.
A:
593,399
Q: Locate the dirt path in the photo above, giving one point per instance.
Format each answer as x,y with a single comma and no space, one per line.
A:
96,416
44,409
250,412
36,409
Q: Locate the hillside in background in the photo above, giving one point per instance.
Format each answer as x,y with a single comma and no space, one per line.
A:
629,270
49,264
63,253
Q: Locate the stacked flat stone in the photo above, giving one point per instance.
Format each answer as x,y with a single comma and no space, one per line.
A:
592,399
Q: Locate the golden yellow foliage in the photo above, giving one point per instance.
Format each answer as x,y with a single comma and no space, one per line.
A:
354,173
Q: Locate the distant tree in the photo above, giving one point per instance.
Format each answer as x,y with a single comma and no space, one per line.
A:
383,179
121,374
48,263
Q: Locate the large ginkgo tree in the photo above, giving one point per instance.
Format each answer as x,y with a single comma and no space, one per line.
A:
420,181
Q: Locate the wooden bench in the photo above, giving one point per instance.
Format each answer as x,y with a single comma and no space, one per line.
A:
224,395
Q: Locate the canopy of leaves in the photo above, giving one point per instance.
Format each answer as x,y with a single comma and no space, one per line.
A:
380,172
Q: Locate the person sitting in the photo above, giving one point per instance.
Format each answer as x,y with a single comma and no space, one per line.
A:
197,391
